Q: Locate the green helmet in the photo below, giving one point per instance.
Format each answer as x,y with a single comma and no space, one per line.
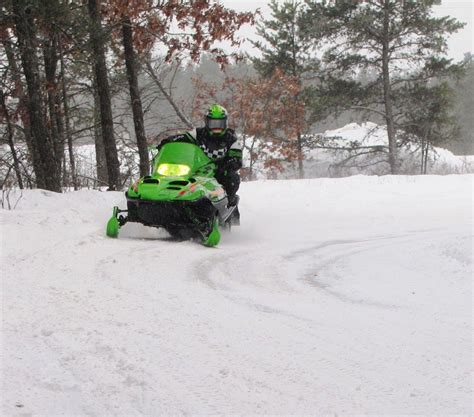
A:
216,120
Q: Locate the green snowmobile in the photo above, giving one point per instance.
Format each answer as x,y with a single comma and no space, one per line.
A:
181,195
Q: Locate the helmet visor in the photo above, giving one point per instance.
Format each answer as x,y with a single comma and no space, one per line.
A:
216,123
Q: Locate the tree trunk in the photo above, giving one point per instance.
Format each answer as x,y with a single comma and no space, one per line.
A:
72,161
297,76
102,83
252,159
425,166
299,145
51,60
26,33
422,156
101,161
427,152
130,63
55,122
11,144
387,92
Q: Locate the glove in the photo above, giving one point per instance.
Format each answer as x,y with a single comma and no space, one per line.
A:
220,170
232,163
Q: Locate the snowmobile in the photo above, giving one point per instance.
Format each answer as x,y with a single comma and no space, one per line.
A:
181,195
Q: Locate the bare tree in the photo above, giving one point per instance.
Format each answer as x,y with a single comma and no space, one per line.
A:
102,83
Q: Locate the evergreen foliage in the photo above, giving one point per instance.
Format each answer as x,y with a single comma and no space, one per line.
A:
287,49
463,109
398,41
284,45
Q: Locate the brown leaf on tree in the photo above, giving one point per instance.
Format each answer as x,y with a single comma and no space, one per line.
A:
266,112
181,27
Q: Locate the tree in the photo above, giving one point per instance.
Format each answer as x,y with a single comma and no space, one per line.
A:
52,13
102,83
10,106
146,23
428,120
61,41
261,111
286,48
131,65
67,118
463,109
58,42
48,175
399,41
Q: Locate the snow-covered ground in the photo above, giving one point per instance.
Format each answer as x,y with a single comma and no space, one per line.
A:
323,162
335,296
348,152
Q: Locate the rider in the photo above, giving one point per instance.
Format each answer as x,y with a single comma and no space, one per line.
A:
221,145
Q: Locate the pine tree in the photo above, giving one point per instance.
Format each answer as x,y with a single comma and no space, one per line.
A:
463,109
286,48
429,121
399,41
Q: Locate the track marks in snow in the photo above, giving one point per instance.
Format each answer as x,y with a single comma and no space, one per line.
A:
242,269
320,265
381,358
322,260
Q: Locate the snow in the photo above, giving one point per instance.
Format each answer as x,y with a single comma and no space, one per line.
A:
346,296
323,162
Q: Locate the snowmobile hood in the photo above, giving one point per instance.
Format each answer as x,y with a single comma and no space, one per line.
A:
181,171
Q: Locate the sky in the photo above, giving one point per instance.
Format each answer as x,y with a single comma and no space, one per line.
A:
458,43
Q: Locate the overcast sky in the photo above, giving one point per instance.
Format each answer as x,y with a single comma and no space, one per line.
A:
459,43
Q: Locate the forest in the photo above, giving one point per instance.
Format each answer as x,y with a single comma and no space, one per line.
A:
116,77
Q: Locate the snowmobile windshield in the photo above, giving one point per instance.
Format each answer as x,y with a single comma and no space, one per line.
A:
178,159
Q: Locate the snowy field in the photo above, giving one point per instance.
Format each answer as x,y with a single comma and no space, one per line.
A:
338,297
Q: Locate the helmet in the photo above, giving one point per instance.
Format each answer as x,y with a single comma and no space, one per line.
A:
216,120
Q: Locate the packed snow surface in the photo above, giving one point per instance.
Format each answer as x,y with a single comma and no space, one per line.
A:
334,296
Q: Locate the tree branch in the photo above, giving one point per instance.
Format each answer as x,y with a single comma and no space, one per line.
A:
178,111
